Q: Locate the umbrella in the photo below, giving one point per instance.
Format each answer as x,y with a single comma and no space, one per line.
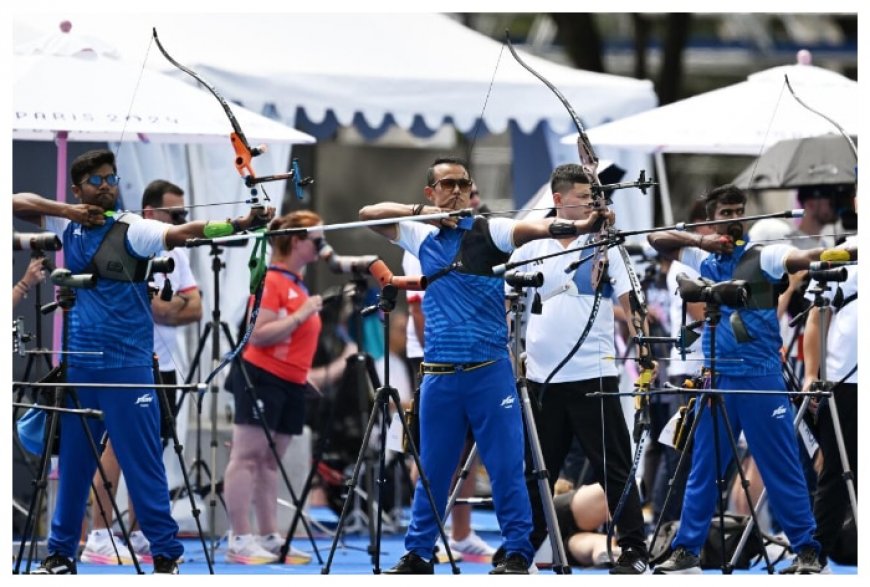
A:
823,160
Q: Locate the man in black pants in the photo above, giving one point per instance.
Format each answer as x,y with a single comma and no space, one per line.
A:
564,411
831,504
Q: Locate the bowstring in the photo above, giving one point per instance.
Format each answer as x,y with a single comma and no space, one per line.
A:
479,122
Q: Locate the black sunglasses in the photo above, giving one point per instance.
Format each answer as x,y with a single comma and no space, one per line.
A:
451,184
178,216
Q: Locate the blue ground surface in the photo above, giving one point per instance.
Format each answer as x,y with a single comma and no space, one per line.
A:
351,556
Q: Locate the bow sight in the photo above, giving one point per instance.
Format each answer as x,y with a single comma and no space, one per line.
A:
641,183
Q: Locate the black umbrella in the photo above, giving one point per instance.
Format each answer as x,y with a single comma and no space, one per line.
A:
823,160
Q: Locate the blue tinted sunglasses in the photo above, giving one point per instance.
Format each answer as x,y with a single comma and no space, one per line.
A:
97,180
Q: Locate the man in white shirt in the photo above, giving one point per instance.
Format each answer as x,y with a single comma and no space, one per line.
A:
831,504
565,410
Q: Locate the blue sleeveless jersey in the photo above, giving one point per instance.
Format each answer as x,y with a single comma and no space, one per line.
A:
113,318
759,356
465,314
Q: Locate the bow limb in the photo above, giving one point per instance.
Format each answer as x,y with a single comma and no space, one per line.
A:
833,122
243,150
589,163
588,159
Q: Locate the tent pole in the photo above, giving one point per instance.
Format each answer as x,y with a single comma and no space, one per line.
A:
664,188
60,141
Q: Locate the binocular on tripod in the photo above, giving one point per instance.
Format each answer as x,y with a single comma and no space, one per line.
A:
733,293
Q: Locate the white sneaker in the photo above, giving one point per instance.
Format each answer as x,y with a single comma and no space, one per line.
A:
141,547
273,543
100,551
245,550
473,548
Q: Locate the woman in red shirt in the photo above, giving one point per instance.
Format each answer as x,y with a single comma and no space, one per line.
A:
277,361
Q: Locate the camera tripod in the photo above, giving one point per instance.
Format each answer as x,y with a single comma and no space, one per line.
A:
212,330
714,401
539,471
386,303
359,371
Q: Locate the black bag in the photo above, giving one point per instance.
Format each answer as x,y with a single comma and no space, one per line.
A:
845,551
711,554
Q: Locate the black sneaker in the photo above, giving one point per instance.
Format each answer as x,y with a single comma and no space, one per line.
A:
412,564
498,557
513,564
805,563
681,562
56,564
165,565
630,562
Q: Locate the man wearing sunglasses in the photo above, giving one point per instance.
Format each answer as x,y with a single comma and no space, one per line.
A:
468,380
175,302
112,322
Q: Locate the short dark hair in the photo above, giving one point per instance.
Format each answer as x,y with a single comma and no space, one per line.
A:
153,194
430,173
724,194
86,163
565,176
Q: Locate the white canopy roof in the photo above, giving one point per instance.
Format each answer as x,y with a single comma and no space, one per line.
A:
740,119
75,83
372,64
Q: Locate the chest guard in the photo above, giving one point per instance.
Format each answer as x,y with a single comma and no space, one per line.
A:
112,259
477,253
763,293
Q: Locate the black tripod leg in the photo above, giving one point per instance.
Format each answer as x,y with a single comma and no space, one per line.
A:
351,488
322,445
40,485
178,448
384,409
685,455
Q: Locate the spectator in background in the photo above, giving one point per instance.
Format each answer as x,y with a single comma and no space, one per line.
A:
35,273
277,362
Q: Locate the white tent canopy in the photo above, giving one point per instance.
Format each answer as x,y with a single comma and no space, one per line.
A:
75,83
371,64
741,119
